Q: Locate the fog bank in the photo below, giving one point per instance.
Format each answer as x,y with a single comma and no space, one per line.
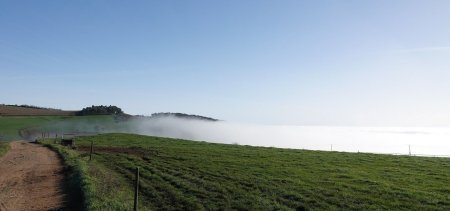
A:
392,140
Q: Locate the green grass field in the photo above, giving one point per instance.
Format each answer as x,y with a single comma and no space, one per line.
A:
189,175
10,126
18,127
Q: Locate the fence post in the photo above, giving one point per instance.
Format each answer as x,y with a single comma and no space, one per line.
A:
136,190
92,149
409,146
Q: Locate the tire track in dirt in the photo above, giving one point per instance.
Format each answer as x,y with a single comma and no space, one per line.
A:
31,178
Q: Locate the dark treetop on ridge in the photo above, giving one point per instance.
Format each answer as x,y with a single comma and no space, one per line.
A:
182,115
100,110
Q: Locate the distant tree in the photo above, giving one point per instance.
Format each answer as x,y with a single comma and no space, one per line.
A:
100,110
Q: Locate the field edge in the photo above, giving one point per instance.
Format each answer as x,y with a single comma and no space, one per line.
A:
78,180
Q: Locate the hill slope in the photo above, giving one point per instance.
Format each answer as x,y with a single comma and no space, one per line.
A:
189,175
10,110
29,127
183,116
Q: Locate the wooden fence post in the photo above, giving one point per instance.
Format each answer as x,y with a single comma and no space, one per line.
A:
92,149
136,190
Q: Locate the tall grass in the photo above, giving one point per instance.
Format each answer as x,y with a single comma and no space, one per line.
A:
79,181
99,188
4,147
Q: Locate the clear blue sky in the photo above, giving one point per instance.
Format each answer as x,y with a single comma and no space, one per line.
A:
380,63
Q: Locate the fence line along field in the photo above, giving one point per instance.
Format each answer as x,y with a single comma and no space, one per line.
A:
190,175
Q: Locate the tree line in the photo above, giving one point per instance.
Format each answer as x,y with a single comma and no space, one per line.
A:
100,110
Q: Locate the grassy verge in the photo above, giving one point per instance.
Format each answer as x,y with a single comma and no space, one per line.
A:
78,180
99,188
4,147
189,175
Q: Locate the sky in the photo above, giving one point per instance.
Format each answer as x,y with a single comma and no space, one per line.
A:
328,63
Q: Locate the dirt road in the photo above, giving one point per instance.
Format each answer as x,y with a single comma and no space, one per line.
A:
31,178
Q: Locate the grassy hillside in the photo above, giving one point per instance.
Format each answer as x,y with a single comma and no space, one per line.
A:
10,110
20,127
188,175
11,126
